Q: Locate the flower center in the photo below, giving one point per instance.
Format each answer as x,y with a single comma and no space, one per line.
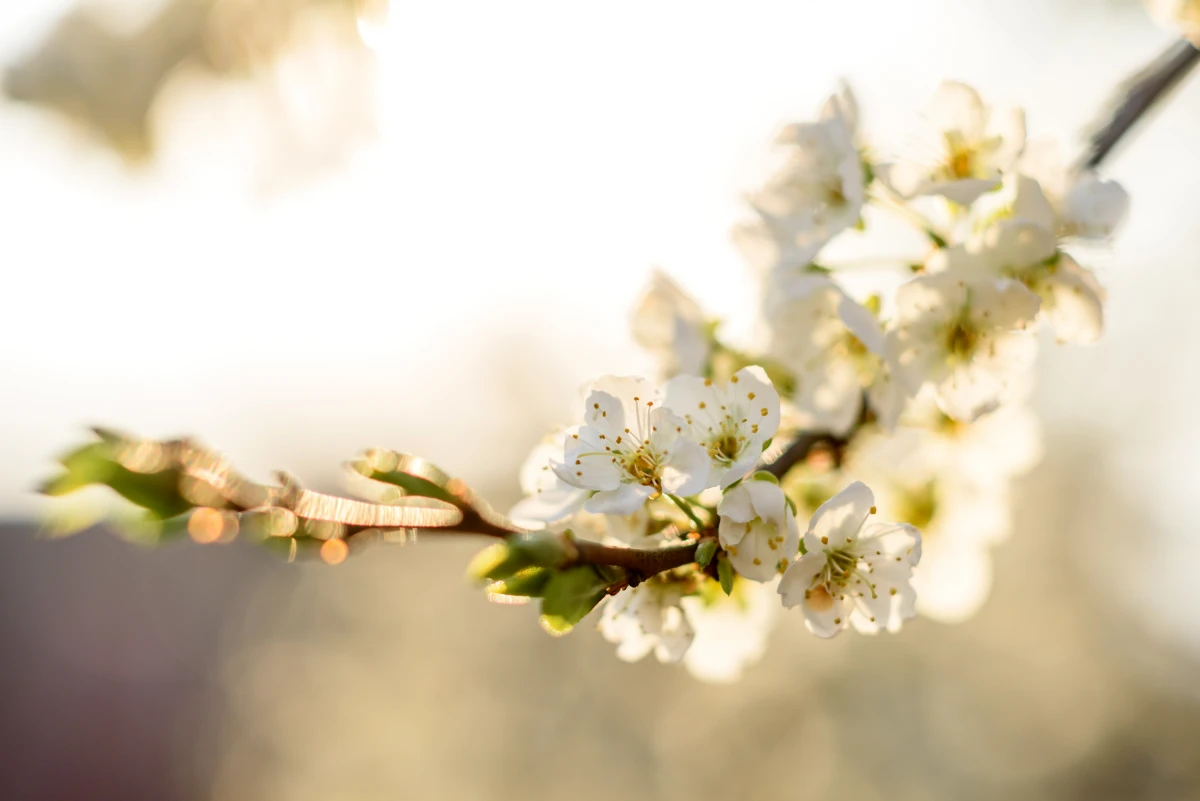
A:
643,465
726,447
960,157
961,339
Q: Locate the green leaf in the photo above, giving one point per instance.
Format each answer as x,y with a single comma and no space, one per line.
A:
157,493
529,583
725,574
570,594
413,485
705,552
767,444
763,475
516,553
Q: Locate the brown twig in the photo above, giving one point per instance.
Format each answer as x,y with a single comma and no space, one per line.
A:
1137,95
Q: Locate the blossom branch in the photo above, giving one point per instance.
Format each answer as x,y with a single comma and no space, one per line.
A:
640,563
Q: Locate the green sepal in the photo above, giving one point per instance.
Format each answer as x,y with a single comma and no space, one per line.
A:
725,574
529,583
764,475
705,552
570,594
767,444
516,553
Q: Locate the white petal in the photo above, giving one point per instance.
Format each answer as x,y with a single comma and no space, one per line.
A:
839,518
736,505
1094,208
686,469
956,106
963,192
1031,204
624,500
1003,305
1075,303
799,577
862,323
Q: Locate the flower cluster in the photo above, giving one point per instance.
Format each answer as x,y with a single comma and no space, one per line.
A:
913,382
674,507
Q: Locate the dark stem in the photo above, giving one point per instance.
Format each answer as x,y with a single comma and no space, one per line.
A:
640,561
1137,95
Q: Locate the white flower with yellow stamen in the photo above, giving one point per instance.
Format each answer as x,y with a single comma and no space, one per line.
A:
647,618
757,529
631,448
834,347
964,334
853,572
967,152
730,420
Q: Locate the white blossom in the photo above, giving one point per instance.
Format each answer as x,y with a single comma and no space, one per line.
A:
963,334
647,618
547,497
669,324
1181,16
631,448
1072,204
853,572
817,192
967,149
757,529
732,420
731,631
1072,300
834,347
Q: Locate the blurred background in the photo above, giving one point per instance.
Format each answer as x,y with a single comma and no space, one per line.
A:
299,228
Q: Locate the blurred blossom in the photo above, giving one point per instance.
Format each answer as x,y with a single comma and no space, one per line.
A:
1178,15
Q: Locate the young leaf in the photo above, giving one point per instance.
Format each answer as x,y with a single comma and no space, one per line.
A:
569,595
705,552
725,574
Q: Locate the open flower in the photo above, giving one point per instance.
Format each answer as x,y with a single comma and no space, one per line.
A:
964,335
758,529
835,348
669,324
631,448
647,618
817,192
967,150
1072,300
730,420
853,571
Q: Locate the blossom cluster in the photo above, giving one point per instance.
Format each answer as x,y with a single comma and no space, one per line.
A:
915,385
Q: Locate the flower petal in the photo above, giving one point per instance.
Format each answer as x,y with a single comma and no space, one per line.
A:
839,518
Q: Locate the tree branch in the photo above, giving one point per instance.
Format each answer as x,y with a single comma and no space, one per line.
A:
641,563
1136,96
